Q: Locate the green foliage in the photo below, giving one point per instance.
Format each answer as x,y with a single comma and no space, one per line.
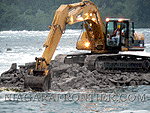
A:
9,12
40,20
38,15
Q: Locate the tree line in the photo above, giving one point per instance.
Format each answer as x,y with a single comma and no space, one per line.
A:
38,15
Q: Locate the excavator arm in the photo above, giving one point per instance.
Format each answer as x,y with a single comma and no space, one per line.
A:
69,14
66,14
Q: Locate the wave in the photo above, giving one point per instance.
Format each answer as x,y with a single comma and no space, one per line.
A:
133,111
29,34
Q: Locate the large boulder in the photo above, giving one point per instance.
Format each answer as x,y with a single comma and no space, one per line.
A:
12,69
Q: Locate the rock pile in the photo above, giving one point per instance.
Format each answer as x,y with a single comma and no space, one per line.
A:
14,78
66,77
76,77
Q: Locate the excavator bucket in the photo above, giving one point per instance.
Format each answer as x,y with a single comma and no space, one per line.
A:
38,81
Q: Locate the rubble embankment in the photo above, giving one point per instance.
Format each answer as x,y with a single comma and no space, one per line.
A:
65,77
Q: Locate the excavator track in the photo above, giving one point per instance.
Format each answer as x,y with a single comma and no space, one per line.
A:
108,63
112,64
115,62
78,58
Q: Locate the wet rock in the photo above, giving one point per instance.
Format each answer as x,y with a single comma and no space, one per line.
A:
6,78
64,85
12,77
106,81
19,83
12,69
20,75
61,68
72,74
14,80
122,78
40,49
75,70
132,83
21,80
95,72
71,83
55,87
54,79
69,70
144,82
54,63
89,74
82,68
111,84
21,68
13,66
7,75
66,77
98,76
79,84
28,67
118,75
9,49
146,77
95,87
80,74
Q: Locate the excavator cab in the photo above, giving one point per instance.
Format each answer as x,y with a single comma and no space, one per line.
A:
117,33
120,36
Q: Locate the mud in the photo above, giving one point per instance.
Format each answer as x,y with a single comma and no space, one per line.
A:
65,77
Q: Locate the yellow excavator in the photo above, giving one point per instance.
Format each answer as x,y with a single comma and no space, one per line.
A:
97,38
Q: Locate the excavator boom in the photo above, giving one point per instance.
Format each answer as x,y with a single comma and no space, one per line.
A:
66,14
69,14
57,28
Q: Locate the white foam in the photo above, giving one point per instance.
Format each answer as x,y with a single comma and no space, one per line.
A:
147,44
23,33
134,111
139,53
